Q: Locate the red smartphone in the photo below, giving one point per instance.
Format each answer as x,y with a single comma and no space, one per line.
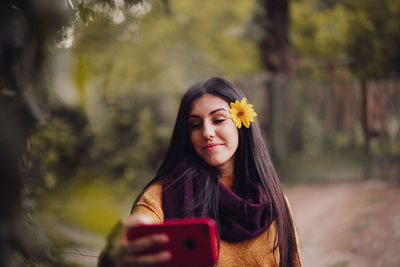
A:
192,241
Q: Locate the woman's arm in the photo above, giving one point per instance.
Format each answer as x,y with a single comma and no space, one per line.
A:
119,252
150,204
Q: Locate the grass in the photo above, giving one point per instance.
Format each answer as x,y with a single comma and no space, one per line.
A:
320,168
76,219
93,205
340,264
359,228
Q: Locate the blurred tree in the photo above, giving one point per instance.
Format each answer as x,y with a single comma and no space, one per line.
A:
318,31
171,50
130,91
57,149
29,30
271,26
374,38
373,41
363,33
25,36
361,36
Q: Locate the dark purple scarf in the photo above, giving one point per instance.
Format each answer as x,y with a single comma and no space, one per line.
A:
240,219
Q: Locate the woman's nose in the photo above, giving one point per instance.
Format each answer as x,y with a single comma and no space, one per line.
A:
208,130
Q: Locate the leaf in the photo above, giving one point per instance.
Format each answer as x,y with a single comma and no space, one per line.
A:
85,13
130,3
111,3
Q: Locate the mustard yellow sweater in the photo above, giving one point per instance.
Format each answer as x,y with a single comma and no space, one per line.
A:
257,251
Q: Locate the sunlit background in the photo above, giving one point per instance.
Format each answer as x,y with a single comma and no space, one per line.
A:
323,76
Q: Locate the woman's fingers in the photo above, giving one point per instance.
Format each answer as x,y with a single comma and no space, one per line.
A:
124,254
148,242
119,250
146,260
142,244
127,253
136,220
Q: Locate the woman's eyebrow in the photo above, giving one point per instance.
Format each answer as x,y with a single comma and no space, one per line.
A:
212,112
194,116
216,110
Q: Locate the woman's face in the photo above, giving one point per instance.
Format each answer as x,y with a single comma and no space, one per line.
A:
213,134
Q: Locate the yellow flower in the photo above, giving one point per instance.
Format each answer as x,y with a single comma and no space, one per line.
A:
242,113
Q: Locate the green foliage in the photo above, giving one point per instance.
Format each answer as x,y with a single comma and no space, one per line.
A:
132,139
70,224
85,13
364,33
88,202
57,149
168,51
319,32
374,38
130,90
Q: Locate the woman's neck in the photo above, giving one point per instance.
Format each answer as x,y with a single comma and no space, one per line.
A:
227,180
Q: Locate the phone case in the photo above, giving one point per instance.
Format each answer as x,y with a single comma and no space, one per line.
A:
192,241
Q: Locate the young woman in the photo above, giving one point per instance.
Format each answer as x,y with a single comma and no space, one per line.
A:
217,166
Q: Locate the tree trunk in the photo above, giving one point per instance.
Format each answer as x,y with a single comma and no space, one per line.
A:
15,122
276,87
276,56
366,128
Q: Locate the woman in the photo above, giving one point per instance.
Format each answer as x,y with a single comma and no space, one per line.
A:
214,167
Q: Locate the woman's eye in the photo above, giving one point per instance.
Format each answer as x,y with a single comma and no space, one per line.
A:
219,121
194,125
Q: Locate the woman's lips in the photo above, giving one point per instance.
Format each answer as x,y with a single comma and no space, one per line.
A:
211,147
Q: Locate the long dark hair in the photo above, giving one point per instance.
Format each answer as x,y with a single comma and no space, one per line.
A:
253,168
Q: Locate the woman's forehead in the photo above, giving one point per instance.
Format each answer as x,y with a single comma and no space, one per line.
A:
208,103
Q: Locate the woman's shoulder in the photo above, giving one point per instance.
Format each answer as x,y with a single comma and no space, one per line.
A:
154,189
150,203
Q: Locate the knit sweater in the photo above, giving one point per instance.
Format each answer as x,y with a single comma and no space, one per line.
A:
257,251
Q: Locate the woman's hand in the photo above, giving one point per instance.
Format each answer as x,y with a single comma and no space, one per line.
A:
124,253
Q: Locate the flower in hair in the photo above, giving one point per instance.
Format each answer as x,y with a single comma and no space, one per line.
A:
242,113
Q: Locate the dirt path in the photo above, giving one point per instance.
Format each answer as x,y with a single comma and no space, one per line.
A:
347,224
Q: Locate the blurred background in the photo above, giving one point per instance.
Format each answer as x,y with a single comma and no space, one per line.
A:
89,91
